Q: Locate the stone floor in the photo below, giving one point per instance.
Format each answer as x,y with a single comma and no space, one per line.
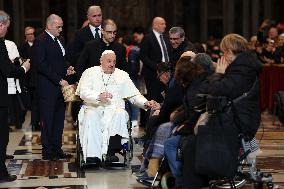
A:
34,173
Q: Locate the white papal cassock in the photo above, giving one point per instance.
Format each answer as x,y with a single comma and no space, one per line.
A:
97,120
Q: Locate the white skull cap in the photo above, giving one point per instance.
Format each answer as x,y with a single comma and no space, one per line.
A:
107,52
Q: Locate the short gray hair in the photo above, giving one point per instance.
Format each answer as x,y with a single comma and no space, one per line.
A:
4,17
205,61
177,30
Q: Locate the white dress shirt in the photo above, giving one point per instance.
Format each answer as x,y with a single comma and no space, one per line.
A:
58,41
13,85
157,34
93,30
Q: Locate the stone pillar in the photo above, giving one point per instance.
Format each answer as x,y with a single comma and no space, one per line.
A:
245,21
228,15
267,9
1,4
16,21
203,20
255,16
72,19
44,11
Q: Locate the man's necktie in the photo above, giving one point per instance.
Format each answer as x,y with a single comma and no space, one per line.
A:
165,52
56,42
97,35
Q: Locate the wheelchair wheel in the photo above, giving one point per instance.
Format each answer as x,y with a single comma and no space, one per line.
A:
167,181
225,184
258,185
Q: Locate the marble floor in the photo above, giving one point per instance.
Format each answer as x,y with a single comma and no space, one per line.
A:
34,173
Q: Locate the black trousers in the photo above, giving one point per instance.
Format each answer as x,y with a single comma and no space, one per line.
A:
35,115
52,114
4,139
193,180
15,111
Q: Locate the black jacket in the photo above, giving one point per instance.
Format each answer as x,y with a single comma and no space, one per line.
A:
176,53
50,65
75,48
151,54
238,79
191,100
92,52
7,69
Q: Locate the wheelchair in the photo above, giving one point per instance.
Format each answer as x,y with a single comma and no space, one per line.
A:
125,150
247,173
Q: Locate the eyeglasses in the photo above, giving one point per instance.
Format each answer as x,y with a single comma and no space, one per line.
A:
111,32
174,38
30,33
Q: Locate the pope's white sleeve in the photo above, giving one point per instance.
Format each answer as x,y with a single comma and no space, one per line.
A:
86,91
138,100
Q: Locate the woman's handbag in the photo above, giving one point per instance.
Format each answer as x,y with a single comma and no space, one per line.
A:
69,93
216,152
217,149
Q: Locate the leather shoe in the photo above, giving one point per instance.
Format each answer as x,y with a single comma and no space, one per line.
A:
93,160
8,178
9,156
112,159
48,157
63,156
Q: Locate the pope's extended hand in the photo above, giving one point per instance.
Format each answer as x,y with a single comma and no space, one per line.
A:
150,104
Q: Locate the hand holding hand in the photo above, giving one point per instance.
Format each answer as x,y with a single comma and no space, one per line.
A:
150,104
156,105
27,65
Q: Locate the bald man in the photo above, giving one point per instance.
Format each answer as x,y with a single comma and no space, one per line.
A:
51,76
155,48
90,32
103,89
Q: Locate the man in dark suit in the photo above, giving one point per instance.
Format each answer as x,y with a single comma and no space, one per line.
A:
89,32
7,69
155,48
93,50
26,51
52,70
85,34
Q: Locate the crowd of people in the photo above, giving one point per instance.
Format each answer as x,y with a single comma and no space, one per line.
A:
165,67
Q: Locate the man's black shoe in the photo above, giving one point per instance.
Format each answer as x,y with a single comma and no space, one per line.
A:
8,178
63,156
112,159
93,160
48,157
9,156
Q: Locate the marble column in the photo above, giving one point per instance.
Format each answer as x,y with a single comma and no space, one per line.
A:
255,17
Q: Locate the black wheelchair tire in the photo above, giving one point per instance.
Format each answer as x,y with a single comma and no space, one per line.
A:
167,181
225,185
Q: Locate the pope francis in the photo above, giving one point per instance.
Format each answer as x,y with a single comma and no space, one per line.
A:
103,89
